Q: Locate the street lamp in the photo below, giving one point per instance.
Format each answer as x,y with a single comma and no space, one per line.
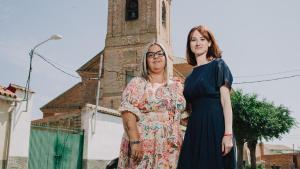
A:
53,37
31,53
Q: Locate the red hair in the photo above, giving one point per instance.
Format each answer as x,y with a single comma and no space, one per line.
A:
213,51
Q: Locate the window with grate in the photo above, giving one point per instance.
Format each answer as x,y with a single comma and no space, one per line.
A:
132,10
163,15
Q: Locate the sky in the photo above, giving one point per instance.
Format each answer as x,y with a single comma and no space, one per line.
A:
259,40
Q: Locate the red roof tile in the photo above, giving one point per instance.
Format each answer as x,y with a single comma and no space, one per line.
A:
14,87
6,92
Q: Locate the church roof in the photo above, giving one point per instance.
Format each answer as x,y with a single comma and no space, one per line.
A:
63,100
184,69
90,65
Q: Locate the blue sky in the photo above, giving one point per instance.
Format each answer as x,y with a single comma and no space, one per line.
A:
257,37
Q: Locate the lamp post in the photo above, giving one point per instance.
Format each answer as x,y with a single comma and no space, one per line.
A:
31,54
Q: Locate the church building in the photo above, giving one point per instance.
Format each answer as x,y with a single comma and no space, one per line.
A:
132,25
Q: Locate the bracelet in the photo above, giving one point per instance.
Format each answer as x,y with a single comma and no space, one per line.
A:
227,134
135,142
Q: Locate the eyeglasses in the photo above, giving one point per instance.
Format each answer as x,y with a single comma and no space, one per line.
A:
152,54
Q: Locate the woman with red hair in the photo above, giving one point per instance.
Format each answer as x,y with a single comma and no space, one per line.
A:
208,140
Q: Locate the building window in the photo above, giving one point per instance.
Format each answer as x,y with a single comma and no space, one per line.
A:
132,10
163,15
129,76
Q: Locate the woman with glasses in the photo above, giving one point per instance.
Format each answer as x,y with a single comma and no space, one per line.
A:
208,139
151,108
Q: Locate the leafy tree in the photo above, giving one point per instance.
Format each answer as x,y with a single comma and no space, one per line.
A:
254,120
242,105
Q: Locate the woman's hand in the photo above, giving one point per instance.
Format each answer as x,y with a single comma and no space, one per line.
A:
136,152
227,144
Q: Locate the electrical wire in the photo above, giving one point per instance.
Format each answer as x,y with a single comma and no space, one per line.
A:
243,82
238,83
268,74
267,80
56,67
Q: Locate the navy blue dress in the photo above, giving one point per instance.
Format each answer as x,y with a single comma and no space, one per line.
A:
202,145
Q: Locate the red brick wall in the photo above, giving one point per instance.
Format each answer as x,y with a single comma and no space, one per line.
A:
298,160
283,160
72,100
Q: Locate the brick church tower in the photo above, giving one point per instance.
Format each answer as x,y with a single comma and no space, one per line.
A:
132,25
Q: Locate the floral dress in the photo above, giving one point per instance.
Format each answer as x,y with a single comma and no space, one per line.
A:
158,111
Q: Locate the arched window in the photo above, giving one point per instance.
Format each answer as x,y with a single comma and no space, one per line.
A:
163,15
132,10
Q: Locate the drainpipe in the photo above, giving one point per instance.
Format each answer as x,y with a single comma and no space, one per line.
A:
94,115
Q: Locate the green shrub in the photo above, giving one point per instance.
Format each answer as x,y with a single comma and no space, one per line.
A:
259,166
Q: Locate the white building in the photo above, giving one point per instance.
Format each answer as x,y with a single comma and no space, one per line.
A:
103,134
14,126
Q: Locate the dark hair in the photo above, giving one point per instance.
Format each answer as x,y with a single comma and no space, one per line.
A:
213,51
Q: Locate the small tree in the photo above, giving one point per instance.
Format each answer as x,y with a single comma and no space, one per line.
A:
242,105
272,122
254,120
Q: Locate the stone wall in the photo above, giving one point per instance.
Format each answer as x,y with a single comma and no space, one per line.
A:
17,163
126,42
94,164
